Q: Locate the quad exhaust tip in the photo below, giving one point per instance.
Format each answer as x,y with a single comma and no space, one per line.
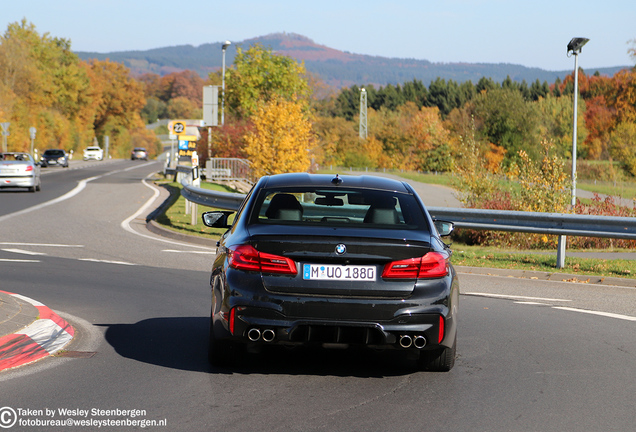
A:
254,335
406,341
419,342
268,335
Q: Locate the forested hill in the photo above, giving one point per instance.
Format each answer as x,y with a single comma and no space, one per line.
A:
336,68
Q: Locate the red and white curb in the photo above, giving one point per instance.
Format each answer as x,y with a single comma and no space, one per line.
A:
43,337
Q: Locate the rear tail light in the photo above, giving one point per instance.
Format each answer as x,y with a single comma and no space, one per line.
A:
29,168
431,265
232,319
246,257
441,329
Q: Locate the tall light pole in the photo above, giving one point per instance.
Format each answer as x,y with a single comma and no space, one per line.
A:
225,45
363,114
574,47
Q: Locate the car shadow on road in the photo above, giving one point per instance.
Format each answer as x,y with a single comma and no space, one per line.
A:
181,343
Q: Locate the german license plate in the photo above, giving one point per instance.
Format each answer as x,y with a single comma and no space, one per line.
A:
338,272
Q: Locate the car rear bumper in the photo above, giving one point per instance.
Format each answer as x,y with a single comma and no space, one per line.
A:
418,331
18,181
425,320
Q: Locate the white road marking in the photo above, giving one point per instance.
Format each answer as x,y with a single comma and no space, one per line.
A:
126,223
106,261
192,252
511,297
605,314
40,244
24,252
19,260
564,308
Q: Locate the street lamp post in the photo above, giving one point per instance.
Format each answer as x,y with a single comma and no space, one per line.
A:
225,45
574,47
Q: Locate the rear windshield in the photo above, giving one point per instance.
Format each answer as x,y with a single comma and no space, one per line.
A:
338,207
20,157
54,152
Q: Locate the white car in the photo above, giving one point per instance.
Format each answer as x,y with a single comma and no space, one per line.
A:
93,152
19,170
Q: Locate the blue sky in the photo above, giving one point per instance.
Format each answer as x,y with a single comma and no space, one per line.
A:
530,33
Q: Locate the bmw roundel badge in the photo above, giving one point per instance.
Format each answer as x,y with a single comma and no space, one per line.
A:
341,249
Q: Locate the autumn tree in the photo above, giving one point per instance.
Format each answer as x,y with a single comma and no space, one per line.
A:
43,84
281,139
119,102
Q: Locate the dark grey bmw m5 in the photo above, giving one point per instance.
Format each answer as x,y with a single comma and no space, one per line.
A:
333,261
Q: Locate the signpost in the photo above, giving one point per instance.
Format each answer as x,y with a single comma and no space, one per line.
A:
177,129
32,132
5,134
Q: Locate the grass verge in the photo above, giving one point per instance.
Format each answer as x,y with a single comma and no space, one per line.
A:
175,218
544,261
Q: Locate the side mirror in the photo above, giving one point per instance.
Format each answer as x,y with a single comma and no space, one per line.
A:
216,219
444,228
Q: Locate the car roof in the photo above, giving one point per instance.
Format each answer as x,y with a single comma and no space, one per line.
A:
328,180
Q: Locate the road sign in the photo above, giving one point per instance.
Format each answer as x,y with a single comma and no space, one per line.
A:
177,127
32,132
188,138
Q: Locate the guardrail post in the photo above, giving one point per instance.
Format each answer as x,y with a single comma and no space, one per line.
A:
561,252
193,211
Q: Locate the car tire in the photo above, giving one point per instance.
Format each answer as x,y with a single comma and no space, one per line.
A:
32,189
440,360
221,353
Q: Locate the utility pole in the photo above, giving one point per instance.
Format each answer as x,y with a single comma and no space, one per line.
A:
363,113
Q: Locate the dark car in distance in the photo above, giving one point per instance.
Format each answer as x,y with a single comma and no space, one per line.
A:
54,157
334,262
139,153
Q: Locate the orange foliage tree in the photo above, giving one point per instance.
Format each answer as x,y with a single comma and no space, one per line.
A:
281,139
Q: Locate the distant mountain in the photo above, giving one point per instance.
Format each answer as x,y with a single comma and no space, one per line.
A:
337,68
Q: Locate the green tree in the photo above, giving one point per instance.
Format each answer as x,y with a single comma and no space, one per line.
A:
623,146
260,76
555,117
508,121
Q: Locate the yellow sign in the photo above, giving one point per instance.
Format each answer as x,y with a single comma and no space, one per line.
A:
177,127
187,138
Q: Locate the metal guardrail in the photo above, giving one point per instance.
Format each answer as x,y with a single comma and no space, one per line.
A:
478,219
229,169
541,223
558,224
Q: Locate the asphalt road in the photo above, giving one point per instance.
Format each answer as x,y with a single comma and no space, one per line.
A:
533,355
